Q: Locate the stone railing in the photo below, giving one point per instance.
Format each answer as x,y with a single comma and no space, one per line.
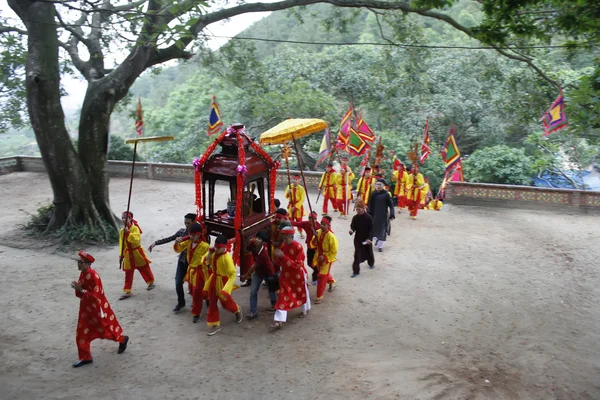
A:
529,197
158,171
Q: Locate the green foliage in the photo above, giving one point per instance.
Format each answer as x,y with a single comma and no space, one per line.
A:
12,81
118,150
498,164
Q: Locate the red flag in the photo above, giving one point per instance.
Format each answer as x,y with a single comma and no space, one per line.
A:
346,123
139,118
363,130
425,149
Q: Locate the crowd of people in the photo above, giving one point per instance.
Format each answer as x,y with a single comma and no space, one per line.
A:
277,261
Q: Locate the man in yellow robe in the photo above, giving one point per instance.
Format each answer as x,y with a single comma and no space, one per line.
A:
364,186
197,269
132,256
399,177
296,195
419,192
328,186
327,248
344,186
220,284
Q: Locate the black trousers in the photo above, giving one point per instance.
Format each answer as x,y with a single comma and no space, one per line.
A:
310,255
362,252
182,267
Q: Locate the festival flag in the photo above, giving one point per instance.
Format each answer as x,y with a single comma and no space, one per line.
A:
324,149
365,160
450,152
425,149
346,123
139,118
555,118
356,145
396,163
364,131
215,122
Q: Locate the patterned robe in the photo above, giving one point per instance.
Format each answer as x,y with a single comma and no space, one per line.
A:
292,283
96,318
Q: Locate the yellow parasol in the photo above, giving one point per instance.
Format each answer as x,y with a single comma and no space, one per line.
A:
290,129
150,139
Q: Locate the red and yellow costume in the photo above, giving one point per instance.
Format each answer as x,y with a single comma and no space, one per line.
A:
400,177
435,205
96,318
344,186
327,247
364,188
197,272
328,188
419,190
292,283
296,196
219,285
134,257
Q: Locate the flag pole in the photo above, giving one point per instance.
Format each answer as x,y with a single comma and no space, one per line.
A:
128,204
303,181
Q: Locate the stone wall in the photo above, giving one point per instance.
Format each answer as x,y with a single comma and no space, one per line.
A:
528,197
144,170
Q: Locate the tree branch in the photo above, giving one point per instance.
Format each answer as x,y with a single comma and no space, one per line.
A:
6,29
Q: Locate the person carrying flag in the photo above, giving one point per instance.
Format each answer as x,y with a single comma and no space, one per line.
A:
365,186
419,192
132,255
96,317
328,186
344,186
296,195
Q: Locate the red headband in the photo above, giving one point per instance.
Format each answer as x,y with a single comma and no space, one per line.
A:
325,221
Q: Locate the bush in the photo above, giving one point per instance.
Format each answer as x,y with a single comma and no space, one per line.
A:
498,164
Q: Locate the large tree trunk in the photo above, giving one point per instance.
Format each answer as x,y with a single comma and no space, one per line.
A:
94,123
73,203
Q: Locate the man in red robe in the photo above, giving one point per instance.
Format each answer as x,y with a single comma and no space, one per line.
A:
311,227
293,291
96,318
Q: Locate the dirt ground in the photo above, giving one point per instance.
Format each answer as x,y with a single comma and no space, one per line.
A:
467,303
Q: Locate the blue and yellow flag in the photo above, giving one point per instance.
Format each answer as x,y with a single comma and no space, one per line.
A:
555,118
215,122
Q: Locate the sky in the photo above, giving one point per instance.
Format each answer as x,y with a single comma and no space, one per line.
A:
76,87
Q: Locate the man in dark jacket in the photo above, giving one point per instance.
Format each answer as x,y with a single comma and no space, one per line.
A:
379,204
362,225
182,264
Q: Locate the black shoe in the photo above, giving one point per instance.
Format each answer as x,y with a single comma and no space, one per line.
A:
372,266
123,346
354,275
380,250
81,363
196,319
178,307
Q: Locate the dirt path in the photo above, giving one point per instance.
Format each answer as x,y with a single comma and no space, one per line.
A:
467,303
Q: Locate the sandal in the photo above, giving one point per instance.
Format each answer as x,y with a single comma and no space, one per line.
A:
332,287
125,296
318,301
252,316
303,314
